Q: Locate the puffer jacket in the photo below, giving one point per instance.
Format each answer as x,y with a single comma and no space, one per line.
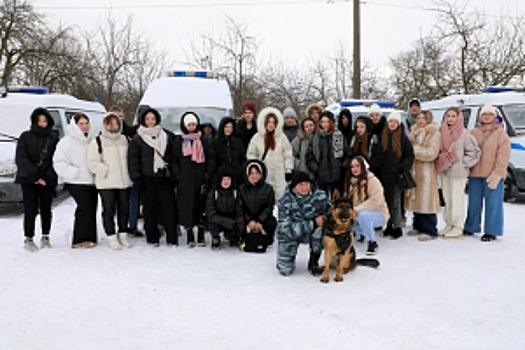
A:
70,159
468,154
495,153
229,151
375,152
257,199
375,200
299,150
278,161
245,134
224,207
111,165
34,153
424,198
297,213
327,155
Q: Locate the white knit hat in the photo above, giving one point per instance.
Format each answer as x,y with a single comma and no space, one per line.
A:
394,116
374,108
190,118
488,108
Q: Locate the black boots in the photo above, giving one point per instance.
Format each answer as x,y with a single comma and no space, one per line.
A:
392,232
313,264
191,237
200,237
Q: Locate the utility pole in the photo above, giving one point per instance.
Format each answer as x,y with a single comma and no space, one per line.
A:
356,80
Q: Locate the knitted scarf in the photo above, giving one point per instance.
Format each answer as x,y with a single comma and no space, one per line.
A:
157,139
449,135
192,146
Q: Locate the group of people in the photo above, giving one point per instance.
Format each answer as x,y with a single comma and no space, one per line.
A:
228,179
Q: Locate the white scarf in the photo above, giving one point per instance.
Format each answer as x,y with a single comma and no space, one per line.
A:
157,139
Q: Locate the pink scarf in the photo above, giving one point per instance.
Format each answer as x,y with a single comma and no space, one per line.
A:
449,135
192,146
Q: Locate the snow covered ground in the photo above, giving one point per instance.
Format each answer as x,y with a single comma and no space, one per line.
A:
426,295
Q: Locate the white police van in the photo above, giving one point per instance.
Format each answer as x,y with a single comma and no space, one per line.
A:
360,108
201,92
16,105
510,105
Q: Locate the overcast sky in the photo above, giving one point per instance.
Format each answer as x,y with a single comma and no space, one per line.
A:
289,30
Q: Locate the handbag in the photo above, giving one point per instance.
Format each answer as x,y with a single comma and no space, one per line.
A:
255,242
406,181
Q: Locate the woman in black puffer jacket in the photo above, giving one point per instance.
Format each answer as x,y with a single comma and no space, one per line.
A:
258,200
224,210
229,149
151,167
34,161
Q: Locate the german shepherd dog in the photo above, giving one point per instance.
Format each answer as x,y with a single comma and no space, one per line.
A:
338,240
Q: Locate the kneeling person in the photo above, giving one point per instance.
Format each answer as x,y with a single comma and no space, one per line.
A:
224,210
303,209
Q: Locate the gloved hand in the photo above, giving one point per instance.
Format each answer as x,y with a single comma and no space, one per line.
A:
288,177
493,181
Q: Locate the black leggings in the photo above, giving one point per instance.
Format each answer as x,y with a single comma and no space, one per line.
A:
37,198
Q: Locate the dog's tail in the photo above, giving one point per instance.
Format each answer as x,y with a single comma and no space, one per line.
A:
368,262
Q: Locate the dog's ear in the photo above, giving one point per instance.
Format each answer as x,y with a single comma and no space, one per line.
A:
336,195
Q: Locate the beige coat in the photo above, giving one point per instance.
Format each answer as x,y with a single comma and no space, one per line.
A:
375,200
424,199
468,153
495,153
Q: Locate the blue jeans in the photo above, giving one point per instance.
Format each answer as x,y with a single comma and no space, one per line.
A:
367,220
479,192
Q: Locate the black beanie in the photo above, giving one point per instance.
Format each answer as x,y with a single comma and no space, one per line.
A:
224,171
298,177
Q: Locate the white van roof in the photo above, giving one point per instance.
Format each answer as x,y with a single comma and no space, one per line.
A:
187,91
49,101
496,99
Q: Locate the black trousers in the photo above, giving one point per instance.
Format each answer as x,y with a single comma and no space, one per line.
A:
115,200
158,195
85,225
230,234
37,198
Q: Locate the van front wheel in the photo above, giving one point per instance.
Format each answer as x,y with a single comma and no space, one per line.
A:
510,190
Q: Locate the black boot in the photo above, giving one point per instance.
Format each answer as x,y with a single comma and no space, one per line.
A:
397,232
191,237
200,237
216,242
389,230
313,264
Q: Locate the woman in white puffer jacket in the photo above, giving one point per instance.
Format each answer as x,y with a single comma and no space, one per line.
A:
108,160
70,163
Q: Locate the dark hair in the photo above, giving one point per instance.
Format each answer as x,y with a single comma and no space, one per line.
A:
364,139
110,116
79,116
269,137
308,119
116,109
362,180
42,111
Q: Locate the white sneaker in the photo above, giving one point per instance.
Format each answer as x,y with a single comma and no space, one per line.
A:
413,232
113,242
444,231
425,237
44,242
454,233
123,239
30,245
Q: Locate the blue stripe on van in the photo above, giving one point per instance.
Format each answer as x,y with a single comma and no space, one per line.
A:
517,146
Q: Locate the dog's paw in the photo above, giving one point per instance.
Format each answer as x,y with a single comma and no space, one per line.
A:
338,278
324,279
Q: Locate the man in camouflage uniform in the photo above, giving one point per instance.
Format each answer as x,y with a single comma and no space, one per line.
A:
302,212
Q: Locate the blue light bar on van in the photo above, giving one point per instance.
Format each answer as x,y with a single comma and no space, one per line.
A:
189,73
496,89
353,103
29,90
386,104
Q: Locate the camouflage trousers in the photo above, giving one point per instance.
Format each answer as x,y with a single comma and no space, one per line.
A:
287,249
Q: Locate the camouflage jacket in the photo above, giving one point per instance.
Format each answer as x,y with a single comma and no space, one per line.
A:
297,213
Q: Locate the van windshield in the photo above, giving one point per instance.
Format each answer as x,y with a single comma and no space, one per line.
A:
171,116
515,113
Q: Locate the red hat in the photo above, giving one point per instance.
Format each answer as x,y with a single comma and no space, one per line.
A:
249,106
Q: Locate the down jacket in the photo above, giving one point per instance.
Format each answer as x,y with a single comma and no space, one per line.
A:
327,156
393,165
111,165
278,161
229,151
34,152
424,199
495,153
257,199
70,159
224,208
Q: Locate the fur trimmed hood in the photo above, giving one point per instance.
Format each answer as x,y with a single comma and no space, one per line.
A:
261,118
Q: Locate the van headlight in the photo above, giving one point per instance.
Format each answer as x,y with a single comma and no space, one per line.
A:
8,168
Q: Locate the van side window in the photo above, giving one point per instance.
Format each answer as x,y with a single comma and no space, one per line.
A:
466,116
57,128
516,115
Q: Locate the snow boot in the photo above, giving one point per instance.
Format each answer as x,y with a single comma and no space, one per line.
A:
446,230
30,245
123,239
454,233
44,242
216,243
424,237
372,248
389,231
488,238
413,232
396,233
313,264
191,237
200,237
113,242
